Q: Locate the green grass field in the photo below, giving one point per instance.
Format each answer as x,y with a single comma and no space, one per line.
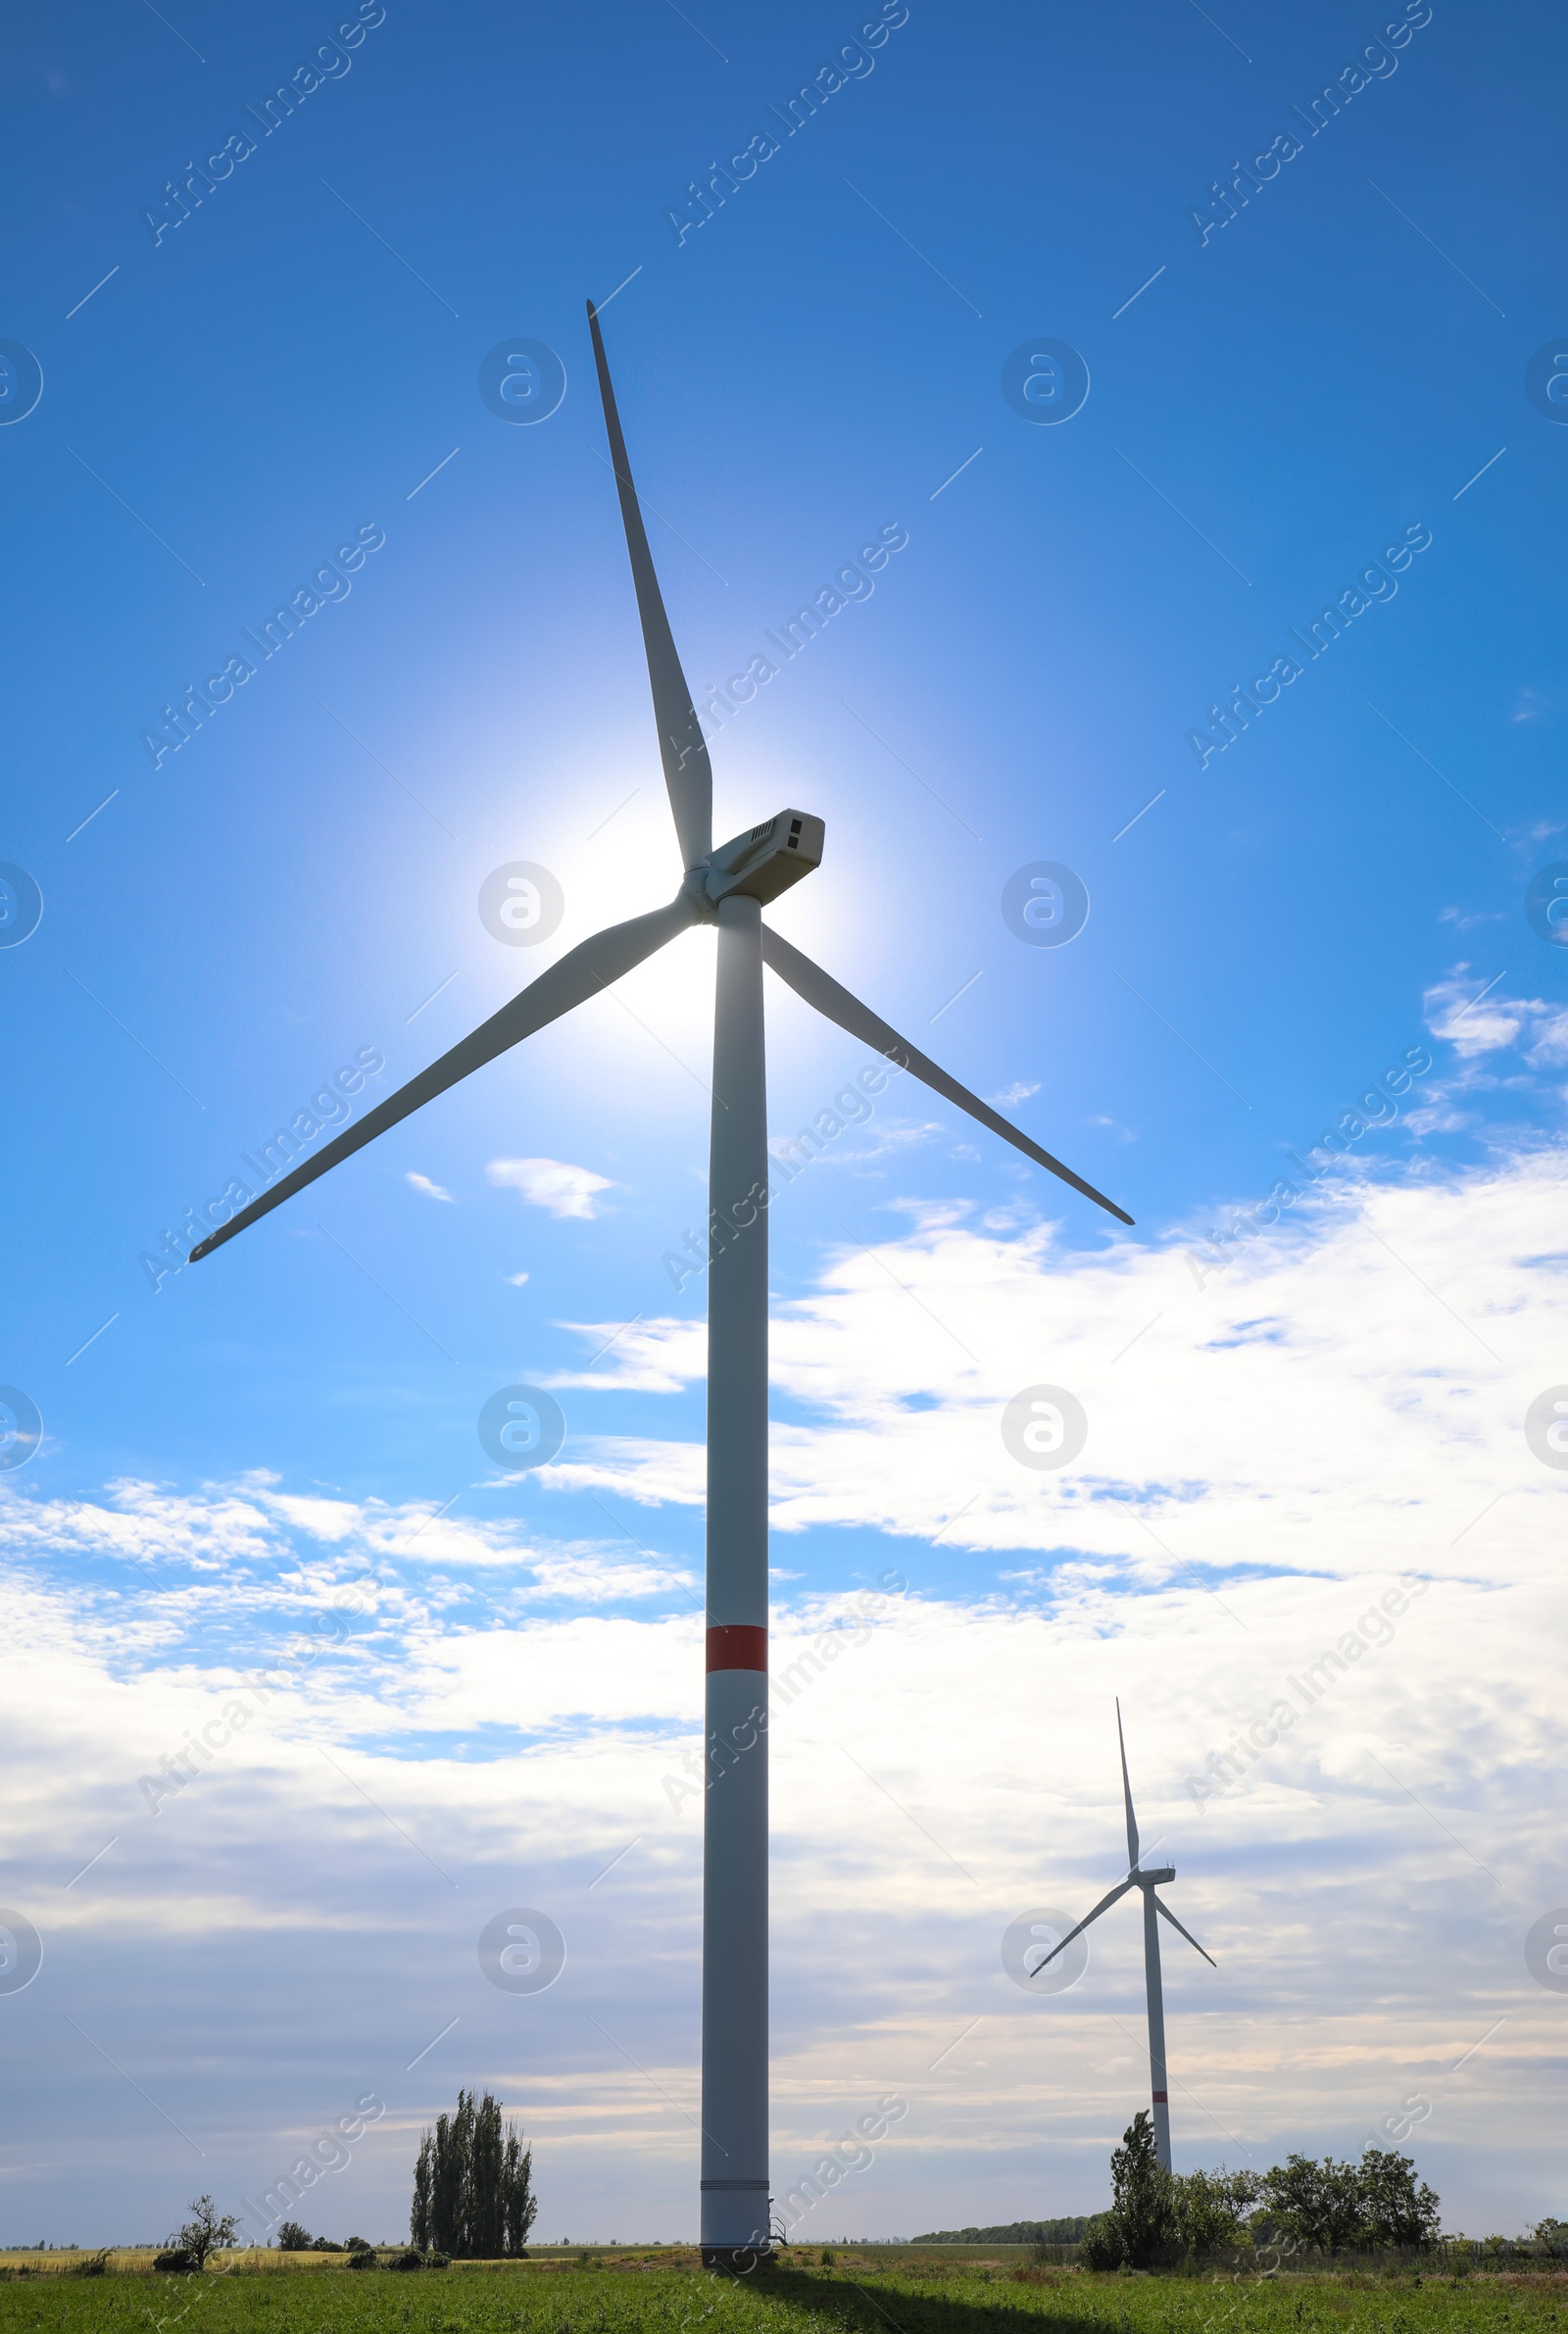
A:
668,2293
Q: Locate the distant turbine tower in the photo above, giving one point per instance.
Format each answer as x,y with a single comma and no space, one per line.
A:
728,888
1153,1903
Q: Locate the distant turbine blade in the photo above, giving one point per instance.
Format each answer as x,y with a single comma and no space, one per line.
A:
580,974
688,774
1127,1794
820,989
1082,1925
1186,1933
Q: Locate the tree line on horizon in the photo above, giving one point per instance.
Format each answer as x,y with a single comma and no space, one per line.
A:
1066,2231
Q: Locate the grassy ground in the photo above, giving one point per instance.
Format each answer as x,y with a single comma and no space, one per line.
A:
668,2293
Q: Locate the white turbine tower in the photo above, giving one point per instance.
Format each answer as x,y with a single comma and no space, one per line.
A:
1153,1905
729,888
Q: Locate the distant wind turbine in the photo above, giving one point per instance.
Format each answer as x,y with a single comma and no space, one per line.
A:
729,888
1147,1881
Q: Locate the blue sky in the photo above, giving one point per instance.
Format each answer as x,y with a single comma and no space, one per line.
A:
1274,402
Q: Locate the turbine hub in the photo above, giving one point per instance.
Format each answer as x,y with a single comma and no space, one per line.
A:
694,887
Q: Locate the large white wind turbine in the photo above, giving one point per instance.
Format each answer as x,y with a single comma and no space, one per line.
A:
1147,1881
729,888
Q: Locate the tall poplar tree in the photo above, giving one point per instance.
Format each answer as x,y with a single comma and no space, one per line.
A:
474,2194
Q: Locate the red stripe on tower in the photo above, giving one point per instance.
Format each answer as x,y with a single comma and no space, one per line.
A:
1161,2098
739,1647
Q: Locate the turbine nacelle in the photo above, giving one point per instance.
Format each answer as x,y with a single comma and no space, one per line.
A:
1145,1879
766,859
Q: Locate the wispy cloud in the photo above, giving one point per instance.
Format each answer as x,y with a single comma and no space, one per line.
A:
432,1191
550,1184
646,1357
1476,1020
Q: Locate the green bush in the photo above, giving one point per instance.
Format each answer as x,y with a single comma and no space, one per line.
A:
1157,2219
1103,2245
1339,2206
1208,2210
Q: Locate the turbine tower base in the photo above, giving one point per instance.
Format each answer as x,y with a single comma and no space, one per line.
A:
739,2260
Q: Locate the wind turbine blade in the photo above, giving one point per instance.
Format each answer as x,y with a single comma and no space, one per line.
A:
688,774
1127,1794
820,989
1082,1925
1186,1933
578,976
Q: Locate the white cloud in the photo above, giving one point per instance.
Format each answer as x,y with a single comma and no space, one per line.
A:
432,1191
516,1281
656,1357
1009,1095
1465,920
653,1473
550,1184
1347,1390
1439,1116
593,1580
1476,1020
861,1147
